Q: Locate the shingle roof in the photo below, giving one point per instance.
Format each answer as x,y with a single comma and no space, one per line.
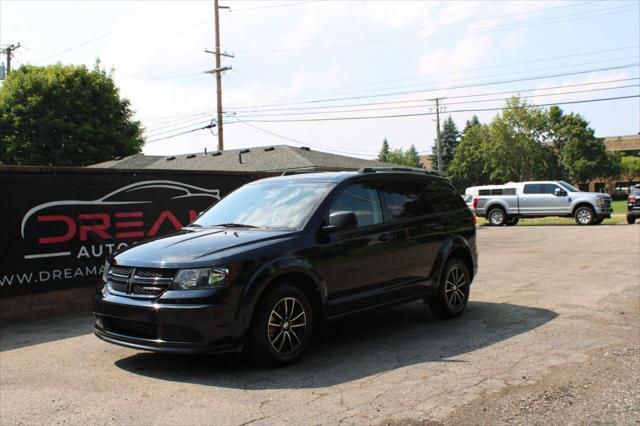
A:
622,143
274,158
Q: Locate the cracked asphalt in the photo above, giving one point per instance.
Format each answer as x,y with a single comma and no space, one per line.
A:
546,300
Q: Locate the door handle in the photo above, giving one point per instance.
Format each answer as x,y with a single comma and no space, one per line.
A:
385,237
438,227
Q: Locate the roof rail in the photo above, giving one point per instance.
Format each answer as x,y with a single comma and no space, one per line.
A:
300,172
397,169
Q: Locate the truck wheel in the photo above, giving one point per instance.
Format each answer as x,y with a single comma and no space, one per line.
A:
631,220
496,216
453,292
281,327
584,215
512,220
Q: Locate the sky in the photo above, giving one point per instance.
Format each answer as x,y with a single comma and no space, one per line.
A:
296,61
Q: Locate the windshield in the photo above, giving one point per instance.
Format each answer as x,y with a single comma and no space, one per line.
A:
568,186
271,205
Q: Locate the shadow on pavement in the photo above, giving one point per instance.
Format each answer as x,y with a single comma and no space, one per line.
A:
19,335
355,348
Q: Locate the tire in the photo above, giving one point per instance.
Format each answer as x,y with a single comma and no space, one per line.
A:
452,296
584,215
631,220
512,220
496,216
598,221
282,344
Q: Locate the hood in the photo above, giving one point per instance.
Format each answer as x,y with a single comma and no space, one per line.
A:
193,247
594,194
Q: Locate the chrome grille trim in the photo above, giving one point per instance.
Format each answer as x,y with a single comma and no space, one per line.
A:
139,282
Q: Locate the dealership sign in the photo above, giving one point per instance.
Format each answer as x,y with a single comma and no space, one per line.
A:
58,228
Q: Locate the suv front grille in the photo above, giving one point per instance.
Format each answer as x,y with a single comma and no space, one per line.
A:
139,282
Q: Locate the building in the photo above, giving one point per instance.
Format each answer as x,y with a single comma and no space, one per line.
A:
619,186
275,158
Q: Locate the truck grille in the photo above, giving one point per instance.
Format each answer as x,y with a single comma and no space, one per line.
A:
139,282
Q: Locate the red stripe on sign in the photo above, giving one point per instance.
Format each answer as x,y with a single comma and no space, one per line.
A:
129,214
129,224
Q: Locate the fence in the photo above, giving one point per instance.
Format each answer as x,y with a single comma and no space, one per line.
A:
59,224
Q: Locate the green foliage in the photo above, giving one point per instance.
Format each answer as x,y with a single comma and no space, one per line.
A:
398,156
630,167
384,151
470,159
64,115
449,139
529,143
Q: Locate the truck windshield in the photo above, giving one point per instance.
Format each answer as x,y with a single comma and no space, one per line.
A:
271,205
568,186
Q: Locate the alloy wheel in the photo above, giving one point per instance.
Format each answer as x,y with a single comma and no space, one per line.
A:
496,217
287,325
584,216
456,287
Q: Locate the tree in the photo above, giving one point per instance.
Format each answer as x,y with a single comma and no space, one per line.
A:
64,115
470,161
583,157
412,157
449,139
384,151
630,168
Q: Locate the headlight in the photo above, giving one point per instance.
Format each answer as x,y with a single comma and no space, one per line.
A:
105,271
188,279
600,201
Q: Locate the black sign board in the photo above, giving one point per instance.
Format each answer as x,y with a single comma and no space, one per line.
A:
57,227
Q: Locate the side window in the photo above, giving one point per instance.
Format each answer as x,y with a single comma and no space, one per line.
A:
548,188
442,196
532,188
405,200
361,199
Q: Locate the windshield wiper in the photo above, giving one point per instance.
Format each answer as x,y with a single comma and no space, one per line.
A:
236,225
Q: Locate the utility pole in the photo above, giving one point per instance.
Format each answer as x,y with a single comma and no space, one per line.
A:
9,52
218,72
438,109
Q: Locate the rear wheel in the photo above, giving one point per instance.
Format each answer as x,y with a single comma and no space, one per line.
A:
453,292
512,220
631,220
281,328
584,215
496,216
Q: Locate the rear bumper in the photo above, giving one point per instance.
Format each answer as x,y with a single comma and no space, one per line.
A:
166,327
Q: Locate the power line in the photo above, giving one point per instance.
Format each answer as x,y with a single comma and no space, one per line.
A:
501,66
571,17
448,97
444,24
445,104
180,120
425,114
452,87
210,126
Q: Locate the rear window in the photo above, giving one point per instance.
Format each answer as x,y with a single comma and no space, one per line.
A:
442,195
532,188
404,200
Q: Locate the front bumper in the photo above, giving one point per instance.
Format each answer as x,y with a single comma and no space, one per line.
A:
162,325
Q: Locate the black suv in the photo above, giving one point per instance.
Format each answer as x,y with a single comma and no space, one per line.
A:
269,263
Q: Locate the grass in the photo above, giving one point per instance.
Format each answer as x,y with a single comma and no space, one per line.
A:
619,206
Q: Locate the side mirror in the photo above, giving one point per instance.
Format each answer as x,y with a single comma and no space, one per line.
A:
341,220
559,192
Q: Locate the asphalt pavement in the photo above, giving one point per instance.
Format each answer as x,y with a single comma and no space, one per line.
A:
547,298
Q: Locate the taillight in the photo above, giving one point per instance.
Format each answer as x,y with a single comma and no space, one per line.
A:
632,198
475,203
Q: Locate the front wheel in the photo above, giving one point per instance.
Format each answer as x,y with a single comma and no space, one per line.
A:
584,215
281,328
453,292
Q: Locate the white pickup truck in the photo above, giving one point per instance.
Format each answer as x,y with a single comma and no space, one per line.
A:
506,204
